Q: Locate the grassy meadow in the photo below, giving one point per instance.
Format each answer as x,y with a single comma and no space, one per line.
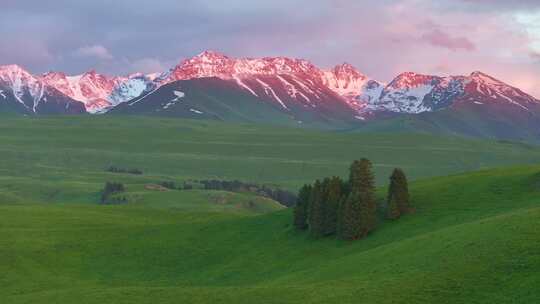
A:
475,237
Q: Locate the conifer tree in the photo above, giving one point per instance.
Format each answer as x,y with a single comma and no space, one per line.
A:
392,211
365,184
302,207
401,190
340,215
354,176
332,199
349,226
398,195
316,210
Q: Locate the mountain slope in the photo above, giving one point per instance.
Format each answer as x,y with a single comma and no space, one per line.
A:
464,244
270,90
286,91
21,92
99,92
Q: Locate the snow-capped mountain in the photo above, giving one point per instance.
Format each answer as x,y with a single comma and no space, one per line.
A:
415,93
129,88
293,87
283,81
345,80
22,92
26,88
98,91
214,64
482,89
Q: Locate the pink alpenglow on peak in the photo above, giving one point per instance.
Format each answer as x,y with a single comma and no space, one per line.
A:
285,82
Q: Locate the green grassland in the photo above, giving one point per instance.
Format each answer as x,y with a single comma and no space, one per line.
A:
63,159
475,237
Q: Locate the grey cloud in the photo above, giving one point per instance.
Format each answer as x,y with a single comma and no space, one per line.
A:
381,37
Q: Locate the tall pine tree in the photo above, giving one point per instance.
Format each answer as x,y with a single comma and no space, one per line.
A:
392,211
364,183
349,223
316,210
332,199
401,190
354,176
302,207
340,213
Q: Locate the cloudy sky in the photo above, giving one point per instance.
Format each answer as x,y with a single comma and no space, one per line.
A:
380,37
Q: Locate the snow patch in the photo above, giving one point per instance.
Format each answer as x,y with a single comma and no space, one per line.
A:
292,90
2,94
142,97
196,111
243,85
170,103
268,88
173,101
178,95
403,100
128,90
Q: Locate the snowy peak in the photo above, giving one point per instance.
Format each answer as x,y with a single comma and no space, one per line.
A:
406,93
90,88
210,56
26,89
206,64
14,75
477,75
345,80
276,79
416,93
410,80
277,66
213,64
97,91
482,89
347,71
32,94
287,82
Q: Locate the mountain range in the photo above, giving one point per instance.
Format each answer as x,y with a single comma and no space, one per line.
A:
285,91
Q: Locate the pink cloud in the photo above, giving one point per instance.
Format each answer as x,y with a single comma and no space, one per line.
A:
441,39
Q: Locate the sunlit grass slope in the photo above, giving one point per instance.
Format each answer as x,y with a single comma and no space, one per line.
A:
475,238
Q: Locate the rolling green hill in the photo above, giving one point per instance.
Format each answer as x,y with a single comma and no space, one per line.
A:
474,239
62,157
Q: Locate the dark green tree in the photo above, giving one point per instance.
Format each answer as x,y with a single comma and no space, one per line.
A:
332,198
349,223
401,190
110,189
364,184
340,213
368,214
316,210
398,192
392,211
354,176
301,208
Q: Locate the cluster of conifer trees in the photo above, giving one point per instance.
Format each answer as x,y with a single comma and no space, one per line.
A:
348,209
115,169
110,189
